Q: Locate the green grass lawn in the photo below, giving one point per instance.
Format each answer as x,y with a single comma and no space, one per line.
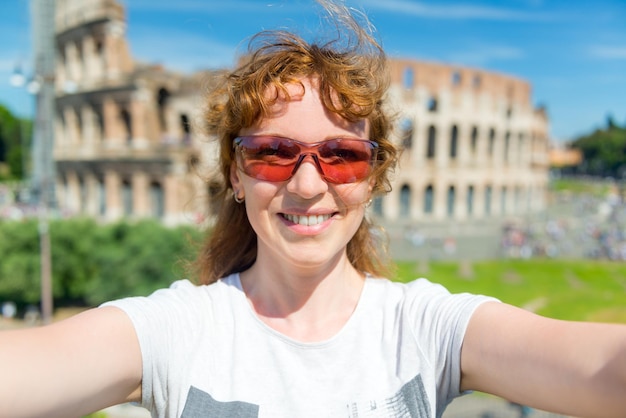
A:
598,189
565,289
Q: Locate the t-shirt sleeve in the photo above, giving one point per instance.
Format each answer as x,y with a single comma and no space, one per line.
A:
165,324
441,319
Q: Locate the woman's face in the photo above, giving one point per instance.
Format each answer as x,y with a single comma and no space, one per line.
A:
304,221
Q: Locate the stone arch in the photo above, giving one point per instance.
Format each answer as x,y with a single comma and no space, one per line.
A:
157,200
127,197
488,198
429,199
102,197
507,146
474,139
127,124
451,201
162,99
433,104
82,193
406,133
470,200
454,141
431,142
492,141
185,127
405,201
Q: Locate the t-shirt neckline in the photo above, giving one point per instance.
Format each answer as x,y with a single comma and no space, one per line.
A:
361,305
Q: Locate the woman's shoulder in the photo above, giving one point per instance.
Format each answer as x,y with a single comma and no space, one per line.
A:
419,287
228,284
421,295
184,296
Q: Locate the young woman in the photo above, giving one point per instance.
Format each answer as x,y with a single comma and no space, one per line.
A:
292,318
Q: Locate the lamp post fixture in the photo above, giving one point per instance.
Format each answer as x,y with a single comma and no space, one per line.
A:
42,24
18,80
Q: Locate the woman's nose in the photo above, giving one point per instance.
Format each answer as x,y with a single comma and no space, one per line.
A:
307,181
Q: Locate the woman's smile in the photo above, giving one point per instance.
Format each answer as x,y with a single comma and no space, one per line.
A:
306,220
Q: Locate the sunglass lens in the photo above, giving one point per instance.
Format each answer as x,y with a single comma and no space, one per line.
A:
345,160
268,158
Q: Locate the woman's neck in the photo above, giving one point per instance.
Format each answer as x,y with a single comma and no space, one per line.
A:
304,303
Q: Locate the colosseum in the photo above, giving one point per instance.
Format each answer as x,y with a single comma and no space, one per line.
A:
473,144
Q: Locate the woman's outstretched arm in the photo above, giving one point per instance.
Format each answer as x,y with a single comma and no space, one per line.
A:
71,368
572,368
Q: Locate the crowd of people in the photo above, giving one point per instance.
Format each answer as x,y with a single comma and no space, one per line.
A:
580,226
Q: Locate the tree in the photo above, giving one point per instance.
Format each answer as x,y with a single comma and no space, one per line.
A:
19,262
610,123
93,263
15,136
137,259
604,151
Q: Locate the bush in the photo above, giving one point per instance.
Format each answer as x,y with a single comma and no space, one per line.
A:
19,262
93,263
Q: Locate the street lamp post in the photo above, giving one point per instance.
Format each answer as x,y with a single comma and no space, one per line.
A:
42,174
42,24
41,187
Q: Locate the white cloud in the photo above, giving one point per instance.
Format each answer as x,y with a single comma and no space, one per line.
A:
453,11
482,55
608,52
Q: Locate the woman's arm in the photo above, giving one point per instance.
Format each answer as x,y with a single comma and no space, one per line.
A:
572,368
70,368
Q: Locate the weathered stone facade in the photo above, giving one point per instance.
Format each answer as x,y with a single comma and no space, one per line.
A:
474,145
124,146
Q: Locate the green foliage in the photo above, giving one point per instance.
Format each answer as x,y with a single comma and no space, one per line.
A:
93,263
19,262
564,289
73,247
14,144
580,187
138,259
604,152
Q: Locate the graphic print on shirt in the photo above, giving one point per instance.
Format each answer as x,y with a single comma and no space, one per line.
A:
411,401
200,405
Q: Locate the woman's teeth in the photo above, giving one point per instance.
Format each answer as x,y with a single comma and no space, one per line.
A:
306,220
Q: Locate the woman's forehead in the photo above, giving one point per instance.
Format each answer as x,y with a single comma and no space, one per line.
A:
303,97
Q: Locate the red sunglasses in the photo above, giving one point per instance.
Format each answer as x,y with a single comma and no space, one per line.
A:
273,158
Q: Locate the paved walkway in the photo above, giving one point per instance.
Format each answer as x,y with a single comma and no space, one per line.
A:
572,227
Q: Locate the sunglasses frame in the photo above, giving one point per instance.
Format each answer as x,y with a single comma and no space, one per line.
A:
305,149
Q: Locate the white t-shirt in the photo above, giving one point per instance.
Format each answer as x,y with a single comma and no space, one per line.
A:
206,354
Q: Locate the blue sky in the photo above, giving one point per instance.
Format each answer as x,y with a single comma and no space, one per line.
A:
572,51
